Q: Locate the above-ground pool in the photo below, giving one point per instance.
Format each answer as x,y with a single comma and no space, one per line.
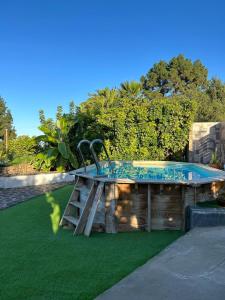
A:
149,195
158,171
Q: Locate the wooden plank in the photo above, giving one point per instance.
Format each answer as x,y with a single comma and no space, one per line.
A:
149,209
71,220
94,207
77,204
84,215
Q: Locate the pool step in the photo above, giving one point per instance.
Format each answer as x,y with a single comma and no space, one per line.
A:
82,206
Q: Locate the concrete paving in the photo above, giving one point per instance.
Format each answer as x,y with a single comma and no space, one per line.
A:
192,268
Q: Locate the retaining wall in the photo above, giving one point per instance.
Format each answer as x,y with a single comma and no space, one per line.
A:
38,179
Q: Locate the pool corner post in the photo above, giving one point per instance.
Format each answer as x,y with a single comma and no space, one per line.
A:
149,209
110,208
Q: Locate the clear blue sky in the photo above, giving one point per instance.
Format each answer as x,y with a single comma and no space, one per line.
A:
55,51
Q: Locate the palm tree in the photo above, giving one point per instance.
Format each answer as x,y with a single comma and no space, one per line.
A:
131,89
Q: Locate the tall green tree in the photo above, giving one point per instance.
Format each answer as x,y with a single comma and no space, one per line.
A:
211,102
6,120
176,77
181,76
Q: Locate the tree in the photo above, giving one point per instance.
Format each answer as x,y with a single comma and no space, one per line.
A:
216,90
149,119
132,89
181,76
211,103
72,109
6,120
59,112
176,77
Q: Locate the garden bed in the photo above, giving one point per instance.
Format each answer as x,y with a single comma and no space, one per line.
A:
23,175
20,169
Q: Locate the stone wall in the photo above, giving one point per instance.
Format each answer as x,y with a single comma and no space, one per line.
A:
204,139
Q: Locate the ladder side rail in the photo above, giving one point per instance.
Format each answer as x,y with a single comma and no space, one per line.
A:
107,155
80,152
93,210
94,153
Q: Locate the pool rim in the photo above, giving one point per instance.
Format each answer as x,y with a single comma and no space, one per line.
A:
220,178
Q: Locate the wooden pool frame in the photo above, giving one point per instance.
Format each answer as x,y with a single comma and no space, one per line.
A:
129,205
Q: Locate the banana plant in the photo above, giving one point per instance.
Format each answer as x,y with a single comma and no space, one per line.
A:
56,153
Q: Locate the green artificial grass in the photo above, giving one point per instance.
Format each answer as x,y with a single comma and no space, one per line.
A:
39,260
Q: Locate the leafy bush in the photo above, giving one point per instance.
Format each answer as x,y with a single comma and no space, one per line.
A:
139,129
4,161
22,146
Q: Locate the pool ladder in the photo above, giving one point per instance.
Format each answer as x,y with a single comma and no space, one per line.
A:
93,153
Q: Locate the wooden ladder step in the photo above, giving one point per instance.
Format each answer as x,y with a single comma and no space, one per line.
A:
71,220
77,204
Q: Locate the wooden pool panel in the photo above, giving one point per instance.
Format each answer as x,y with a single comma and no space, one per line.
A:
133,206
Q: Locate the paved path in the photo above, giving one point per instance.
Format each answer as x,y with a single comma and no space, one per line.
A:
192,268
10,197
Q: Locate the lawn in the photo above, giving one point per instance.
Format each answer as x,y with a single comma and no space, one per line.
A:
39,260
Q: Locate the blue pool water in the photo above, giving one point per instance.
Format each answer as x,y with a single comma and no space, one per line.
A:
171,172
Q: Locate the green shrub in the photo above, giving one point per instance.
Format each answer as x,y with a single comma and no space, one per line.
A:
135,129
55,151
22,146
